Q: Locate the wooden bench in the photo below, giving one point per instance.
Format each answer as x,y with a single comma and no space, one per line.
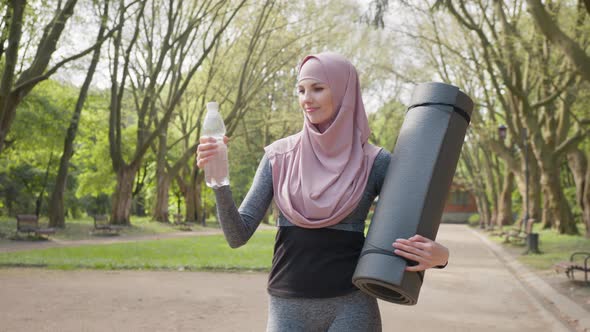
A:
568,267
518,236
495,231
179,221
103,227
29,224
515,236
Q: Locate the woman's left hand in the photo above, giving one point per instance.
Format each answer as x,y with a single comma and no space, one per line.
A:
425,252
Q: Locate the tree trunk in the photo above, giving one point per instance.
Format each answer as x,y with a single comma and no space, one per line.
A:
161,213
122,197
557,203
491,184
192,199
190,204
56,202
163,180
586,201
535,190
9,101
199,197
578,163
484,211
505,201
547,217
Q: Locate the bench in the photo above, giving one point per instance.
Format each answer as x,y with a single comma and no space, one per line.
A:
495,231
179,221
29,224
515,236
103,227
518,236
568,267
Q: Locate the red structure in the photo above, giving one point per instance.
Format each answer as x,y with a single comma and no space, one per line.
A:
460,205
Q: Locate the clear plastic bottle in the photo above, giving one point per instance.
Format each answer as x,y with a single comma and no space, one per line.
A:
216,169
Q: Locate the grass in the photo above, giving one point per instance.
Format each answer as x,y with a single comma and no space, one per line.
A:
197,253
212,252
554,248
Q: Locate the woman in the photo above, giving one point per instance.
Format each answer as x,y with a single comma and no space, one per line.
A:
323,179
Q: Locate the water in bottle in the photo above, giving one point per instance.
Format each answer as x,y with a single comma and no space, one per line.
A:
216,169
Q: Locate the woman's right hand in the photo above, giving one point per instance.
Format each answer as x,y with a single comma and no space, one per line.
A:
206,150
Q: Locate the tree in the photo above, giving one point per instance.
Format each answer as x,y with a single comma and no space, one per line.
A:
524,93
177,28
569,46
527,85
31,161
578,162
15,85
56,203
251,74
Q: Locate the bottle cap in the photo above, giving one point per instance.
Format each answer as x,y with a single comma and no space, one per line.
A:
212,106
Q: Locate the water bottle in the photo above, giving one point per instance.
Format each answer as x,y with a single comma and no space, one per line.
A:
216,169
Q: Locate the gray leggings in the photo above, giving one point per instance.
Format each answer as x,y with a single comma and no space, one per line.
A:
355,312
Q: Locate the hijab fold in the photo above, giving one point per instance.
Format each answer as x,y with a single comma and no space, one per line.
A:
320,177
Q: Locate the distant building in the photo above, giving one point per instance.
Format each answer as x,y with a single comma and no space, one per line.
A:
460,205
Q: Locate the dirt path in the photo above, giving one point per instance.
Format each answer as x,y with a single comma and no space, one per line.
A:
45,300
476,292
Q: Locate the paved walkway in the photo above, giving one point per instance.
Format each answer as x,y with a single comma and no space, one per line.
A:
478,291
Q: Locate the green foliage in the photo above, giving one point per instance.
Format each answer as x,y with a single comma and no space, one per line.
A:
20,184
41,121
386,124
473,220
98,177
35,140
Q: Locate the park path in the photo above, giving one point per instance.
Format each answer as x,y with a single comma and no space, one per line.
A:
478,291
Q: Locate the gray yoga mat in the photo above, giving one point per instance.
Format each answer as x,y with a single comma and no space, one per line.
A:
414,192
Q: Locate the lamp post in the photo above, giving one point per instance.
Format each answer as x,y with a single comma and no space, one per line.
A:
526,178
502,135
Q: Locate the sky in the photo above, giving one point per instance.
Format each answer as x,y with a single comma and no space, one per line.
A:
82,32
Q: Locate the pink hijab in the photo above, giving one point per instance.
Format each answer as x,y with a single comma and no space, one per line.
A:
319,178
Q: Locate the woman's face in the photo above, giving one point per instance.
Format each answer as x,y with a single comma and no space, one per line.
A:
315,98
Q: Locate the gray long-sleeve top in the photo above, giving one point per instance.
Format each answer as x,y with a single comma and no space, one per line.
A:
238,225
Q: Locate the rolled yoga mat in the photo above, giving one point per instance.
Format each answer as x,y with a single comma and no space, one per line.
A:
414,191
